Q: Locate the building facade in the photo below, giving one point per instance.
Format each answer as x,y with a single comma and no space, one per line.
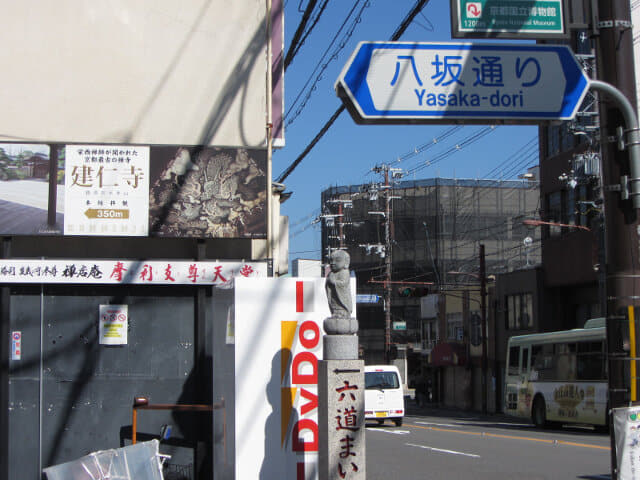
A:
427,234
122,216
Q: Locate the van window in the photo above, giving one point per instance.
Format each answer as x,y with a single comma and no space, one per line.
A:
375,380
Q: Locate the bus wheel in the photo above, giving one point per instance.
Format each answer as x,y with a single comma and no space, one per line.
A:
539,413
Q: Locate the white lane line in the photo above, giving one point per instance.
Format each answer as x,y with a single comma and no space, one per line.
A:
393,432
504,424
472,424
439,424
441,450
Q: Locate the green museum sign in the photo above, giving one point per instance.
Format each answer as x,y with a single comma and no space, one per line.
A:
508,18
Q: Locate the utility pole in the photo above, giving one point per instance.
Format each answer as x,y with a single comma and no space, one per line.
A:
612,24
483,319
388,251
387,266
333,220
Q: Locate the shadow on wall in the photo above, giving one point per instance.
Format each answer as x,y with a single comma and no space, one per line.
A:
281,419
197,427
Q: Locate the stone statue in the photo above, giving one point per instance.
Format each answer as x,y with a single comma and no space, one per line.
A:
338,290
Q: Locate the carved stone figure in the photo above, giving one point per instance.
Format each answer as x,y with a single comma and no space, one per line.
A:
338,290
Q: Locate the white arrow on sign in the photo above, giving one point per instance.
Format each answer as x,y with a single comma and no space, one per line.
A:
400,82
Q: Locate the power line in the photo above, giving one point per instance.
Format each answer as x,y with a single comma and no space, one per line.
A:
306,34
397,34
343,41
315,140
295,42
465,143
425,146
502,165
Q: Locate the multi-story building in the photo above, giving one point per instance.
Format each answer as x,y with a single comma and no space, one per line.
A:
570,195
421,239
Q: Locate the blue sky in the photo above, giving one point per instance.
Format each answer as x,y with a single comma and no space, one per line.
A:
347,152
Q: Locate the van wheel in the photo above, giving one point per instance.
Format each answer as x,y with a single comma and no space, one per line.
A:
398,422
539,413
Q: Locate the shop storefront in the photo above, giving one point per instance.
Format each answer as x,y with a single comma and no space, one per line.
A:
80,353
109,273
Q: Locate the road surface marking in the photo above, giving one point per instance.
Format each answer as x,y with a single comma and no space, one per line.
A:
438,424
441,450
514,437
505,424
394,432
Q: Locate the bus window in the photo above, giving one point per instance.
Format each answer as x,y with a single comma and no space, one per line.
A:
590,361
542,362
525,360
565,356
514,360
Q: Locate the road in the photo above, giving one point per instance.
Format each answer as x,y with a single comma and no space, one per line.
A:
454,446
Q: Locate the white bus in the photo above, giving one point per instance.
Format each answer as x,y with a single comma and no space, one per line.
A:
558,376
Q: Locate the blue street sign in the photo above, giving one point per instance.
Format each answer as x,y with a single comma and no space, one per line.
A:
398,82
367,298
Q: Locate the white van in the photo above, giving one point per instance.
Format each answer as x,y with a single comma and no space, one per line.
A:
383,396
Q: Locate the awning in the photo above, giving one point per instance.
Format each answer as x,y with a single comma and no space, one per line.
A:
448,354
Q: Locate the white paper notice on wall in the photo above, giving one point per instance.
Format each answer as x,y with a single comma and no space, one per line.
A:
114,322
16,345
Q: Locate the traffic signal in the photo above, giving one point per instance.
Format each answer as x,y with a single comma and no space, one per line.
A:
407,291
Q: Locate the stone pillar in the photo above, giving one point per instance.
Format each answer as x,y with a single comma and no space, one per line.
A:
341,419
340,383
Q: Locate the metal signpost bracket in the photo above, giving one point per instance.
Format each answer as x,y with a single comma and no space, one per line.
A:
622,187
631,143
625,24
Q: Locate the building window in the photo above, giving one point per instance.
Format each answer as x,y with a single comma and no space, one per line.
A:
430,335
553,141
454,326
570,207
554,212
520,311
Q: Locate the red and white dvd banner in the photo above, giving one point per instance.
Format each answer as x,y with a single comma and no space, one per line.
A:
278,342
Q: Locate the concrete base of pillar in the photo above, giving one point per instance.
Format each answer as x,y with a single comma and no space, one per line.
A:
340,347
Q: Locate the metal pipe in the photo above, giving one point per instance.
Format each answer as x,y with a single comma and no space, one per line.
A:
41,375
633,140
632,353
271,221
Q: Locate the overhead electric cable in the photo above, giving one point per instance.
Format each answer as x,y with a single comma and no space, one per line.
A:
322,64
518,152
447,153
306,34
295,42
420,4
